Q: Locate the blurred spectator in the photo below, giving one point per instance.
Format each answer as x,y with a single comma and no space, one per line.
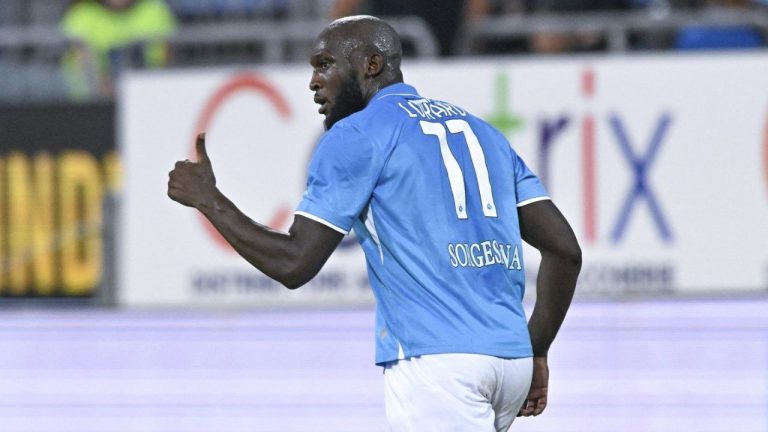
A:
555,42
113,34
446,18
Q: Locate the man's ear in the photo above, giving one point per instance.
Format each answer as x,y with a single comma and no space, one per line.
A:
374,64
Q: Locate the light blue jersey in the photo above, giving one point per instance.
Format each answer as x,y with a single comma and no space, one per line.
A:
432,192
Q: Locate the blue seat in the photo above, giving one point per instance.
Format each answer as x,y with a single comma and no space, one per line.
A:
708,38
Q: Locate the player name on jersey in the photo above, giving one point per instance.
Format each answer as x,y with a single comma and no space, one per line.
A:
430,109
485,253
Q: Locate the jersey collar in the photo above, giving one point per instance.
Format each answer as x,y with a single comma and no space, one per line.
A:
399,89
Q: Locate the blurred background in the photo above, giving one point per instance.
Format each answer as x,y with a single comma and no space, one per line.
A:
122,311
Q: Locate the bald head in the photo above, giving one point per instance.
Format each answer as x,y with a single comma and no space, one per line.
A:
353,58
364,35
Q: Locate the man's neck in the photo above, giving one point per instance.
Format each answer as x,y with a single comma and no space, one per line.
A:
378,85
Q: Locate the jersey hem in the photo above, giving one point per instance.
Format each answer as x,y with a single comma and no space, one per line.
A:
501,353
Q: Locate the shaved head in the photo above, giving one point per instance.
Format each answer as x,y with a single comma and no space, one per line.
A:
352,59
366,34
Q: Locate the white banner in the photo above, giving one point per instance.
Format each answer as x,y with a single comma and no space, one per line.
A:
660,163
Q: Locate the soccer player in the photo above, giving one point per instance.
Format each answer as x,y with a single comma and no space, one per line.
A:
441,204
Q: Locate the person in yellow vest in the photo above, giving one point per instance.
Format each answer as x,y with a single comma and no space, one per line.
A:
113,34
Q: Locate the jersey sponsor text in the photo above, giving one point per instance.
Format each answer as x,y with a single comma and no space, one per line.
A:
485,253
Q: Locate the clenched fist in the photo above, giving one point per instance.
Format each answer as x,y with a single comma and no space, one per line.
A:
193,183
536,401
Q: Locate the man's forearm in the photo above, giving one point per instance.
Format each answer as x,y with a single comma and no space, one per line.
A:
291,258
272,252
555,286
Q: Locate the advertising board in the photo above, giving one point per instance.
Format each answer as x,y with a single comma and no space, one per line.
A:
58,174
660,163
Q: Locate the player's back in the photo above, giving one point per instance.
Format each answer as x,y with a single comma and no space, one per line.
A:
441,231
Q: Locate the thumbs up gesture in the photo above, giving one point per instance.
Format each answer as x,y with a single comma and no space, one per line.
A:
193,183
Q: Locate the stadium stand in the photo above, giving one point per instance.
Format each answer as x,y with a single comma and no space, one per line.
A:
237,32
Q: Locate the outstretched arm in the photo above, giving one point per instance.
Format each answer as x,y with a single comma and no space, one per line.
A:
291,258
545,228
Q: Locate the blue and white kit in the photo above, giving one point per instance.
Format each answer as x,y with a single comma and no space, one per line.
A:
432,192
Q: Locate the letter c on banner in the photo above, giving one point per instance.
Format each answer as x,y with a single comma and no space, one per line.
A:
246,82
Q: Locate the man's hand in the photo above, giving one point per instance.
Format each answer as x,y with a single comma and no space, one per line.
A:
193,183
537,396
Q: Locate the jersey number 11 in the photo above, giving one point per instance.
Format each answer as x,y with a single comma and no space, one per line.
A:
455,176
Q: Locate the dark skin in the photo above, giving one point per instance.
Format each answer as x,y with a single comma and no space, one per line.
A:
352,60
545,228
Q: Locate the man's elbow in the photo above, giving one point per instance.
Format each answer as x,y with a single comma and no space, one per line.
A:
572,254
293,282
567,253
298,266
295,276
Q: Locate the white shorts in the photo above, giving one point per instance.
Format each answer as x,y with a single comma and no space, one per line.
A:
455,392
